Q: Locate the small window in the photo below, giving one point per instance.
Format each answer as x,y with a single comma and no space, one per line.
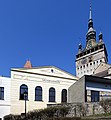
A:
77,56
51,94
38,93
97,61
90,63
84,66
87,65
81,67
92,50
1,93
96,48
101,46
94,63
88,51
64,96
95,96
84,53
23,92
100,60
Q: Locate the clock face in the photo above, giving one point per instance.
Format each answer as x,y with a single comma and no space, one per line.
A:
89,45
84,61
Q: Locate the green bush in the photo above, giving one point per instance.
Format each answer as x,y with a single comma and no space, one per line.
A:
43,114
66,118
12,117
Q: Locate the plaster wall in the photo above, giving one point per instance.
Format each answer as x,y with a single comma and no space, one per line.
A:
33,80
5,103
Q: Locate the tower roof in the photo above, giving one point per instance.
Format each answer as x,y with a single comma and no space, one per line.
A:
91,34
28,64
90,22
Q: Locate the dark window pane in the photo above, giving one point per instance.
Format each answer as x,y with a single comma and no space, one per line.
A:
51,95
94,96
23,89
1,93
38,93
64,95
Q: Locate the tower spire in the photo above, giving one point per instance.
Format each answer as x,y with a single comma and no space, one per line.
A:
90,15
90,23
91,34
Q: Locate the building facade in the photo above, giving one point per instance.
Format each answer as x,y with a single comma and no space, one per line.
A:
91,89
44,85
5,101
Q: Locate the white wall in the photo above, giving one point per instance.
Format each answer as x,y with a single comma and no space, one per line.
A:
5,104
33,80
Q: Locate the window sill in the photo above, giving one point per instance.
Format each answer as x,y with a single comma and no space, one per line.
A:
39,101
1,99
23,100
52,101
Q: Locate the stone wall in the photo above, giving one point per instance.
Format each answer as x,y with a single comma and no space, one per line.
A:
82,109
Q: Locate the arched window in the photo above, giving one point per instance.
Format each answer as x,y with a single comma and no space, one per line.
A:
51,94
38,93
23,91
64,96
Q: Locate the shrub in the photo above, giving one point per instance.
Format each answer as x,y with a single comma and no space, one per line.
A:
106,104
64,111
12,117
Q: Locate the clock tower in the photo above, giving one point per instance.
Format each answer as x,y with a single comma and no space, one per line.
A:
89,58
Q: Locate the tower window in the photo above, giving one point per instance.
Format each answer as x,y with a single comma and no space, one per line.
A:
100,60
101,46
84,53
90,63
96,48
94,63
88,51
77,56
92,50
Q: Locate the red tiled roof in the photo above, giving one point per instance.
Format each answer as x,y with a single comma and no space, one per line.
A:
28,64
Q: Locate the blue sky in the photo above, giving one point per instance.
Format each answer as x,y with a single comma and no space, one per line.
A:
48,31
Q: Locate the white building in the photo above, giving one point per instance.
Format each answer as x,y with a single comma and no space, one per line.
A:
44,85
5,86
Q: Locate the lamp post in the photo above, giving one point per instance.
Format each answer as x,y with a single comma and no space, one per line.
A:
25,98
